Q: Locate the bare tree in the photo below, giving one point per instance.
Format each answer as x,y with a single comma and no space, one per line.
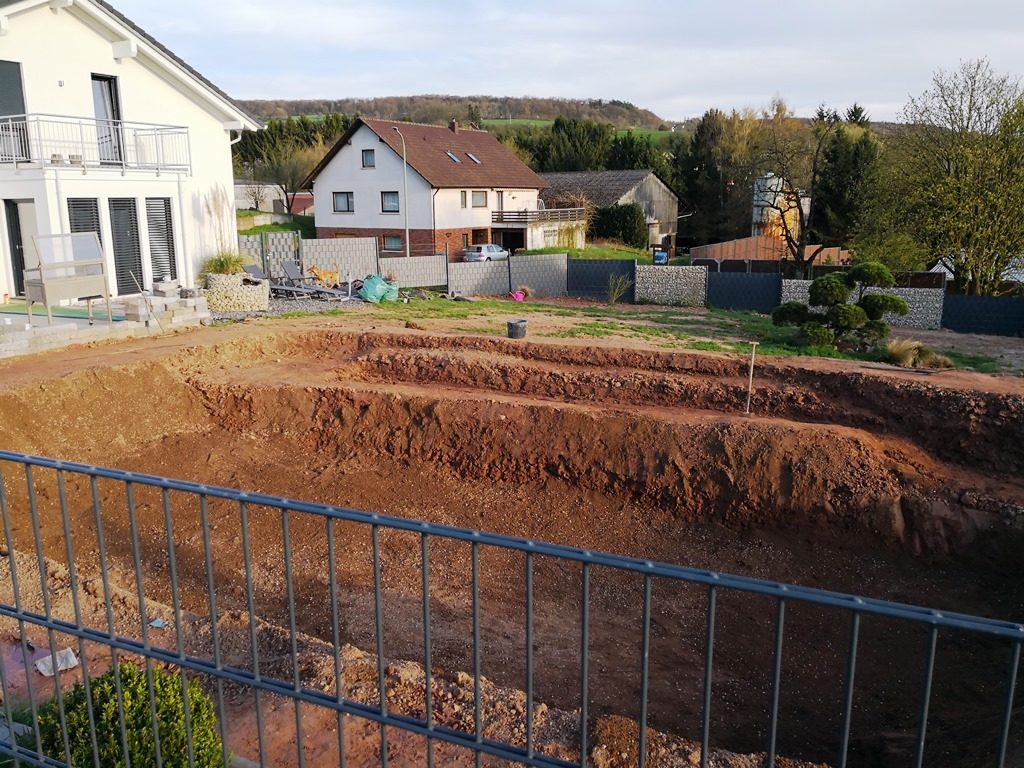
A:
794,151
256,194
288,168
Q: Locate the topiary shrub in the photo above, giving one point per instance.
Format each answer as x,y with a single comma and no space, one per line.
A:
873,273
858,325
844,318
829,290
817,335
877,304
170,709
791,313
874,331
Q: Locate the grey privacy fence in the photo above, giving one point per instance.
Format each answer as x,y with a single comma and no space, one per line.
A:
588,278
996,315
760,293
197,548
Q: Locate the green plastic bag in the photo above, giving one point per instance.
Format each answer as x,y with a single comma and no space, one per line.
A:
374,289
392,292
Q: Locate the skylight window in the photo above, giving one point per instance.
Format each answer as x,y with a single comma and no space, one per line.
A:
473,157
453,156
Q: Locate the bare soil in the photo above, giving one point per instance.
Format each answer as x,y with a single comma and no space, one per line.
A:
858,478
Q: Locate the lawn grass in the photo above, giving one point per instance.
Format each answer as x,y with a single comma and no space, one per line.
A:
979,363
601,251
713,330
304,225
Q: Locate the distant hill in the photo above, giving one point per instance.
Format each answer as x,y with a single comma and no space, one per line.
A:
440,109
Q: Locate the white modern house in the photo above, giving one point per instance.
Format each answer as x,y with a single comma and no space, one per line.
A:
464,187
103,129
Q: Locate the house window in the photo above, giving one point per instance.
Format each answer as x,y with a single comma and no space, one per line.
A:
479,199
392,242
344,202
389,202
473,157
369,160
454,157
465,241
462,199
161,238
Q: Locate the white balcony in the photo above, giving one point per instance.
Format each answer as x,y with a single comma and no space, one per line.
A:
87,143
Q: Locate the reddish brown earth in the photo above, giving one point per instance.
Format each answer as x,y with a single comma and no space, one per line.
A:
856,478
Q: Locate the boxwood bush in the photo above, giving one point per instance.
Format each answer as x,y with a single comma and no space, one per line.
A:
170,710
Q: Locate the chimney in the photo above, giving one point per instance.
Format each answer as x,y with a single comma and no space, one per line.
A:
454,125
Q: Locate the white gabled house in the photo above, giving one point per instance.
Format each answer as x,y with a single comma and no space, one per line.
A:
104,129
464,187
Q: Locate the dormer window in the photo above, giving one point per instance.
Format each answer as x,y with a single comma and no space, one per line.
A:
453,156
473,157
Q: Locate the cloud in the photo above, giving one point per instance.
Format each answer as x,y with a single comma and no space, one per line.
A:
675,57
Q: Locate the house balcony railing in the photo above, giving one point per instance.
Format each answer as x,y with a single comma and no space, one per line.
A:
84,142
533,217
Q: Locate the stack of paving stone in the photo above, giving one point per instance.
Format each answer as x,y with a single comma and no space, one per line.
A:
169,312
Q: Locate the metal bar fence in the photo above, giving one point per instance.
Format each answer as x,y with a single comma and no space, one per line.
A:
27,518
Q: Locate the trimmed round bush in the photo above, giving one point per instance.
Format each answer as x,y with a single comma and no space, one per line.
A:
829,290
817,335
790,313
170,708
877,304
874,331
846,317
872,273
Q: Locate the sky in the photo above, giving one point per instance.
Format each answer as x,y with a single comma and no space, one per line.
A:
677,59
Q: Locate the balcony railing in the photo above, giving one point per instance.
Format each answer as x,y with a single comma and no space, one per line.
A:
283,558
532,217
83,142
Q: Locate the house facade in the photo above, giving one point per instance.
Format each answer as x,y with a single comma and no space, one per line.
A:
464,188
607,188
103,129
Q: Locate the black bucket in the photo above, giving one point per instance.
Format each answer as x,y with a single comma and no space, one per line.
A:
517,329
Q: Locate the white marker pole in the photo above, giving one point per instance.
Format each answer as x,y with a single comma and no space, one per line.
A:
750,380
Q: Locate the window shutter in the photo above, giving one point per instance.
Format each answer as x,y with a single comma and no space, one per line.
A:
124,230
84,215
161,238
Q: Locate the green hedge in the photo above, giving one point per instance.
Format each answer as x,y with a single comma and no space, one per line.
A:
170,709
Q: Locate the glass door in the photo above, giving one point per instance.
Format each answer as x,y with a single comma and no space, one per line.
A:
108,119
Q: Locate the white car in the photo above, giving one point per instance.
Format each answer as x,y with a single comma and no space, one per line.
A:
485,252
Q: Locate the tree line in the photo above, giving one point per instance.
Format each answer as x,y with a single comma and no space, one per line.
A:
946,184
436,109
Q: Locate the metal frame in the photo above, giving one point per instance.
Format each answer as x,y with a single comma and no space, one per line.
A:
856,608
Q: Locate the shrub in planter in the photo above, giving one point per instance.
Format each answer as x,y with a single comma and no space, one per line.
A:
170,712
224,263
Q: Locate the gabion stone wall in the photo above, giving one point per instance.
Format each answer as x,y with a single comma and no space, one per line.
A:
227,293
925,304
679,286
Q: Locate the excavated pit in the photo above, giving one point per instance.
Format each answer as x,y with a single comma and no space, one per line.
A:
853,480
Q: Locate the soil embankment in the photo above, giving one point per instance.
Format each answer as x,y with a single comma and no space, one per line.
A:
901,486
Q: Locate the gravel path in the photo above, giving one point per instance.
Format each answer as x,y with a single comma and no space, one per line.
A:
289,306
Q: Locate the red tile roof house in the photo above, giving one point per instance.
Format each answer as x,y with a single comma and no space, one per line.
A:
464,187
